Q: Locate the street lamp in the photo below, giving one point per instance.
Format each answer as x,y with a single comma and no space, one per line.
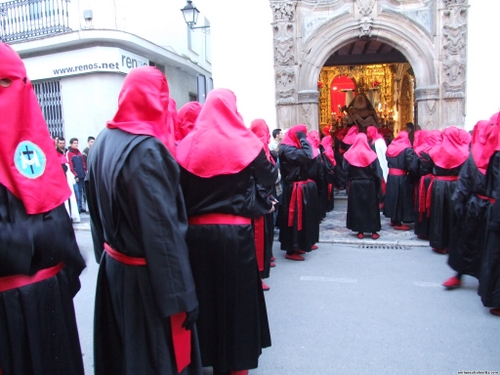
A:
190,13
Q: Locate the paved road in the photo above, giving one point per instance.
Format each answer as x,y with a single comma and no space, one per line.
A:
353,310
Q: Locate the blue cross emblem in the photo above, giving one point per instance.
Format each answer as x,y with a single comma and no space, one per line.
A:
30,160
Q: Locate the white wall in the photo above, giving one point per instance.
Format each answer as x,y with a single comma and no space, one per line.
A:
483,80
242,54
88,102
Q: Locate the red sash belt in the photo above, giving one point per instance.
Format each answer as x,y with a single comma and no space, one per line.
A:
122,258
259,239
485,198
422,194
18,281
397,172
219,219
180,336
429,190
296,199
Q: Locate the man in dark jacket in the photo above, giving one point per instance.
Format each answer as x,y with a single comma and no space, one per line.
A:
78,167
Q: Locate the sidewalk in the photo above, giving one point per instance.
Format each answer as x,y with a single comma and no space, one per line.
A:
333,230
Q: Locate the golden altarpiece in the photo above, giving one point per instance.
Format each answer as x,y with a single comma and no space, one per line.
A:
389,87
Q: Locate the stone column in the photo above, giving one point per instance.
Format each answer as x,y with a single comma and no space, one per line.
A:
454,62
285,62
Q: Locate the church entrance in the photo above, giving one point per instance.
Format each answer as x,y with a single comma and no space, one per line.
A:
409,58
374,70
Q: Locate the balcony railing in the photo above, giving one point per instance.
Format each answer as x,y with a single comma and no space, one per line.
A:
28,19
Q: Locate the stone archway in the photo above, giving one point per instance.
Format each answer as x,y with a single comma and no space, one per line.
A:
430,35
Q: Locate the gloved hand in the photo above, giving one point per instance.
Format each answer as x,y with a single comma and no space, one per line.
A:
191,317
301,135
459,209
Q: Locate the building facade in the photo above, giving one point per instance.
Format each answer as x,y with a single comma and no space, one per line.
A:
77,54
431,35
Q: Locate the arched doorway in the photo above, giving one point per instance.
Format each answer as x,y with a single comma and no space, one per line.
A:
430,35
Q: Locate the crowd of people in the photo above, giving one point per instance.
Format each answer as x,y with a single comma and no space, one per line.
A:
183,222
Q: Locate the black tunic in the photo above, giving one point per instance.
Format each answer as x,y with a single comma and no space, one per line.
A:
294,166
398,200
326,196
136,206
489,279
442,216
363,213
38,332
233,325
340,171
422,167
467,239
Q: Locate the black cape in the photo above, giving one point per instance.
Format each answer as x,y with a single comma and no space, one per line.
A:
467,239
136,206
233,325
422,167
442,215
398,200
489,279
363,213
295,166
38,331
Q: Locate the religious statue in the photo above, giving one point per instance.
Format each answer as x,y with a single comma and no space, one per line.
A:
362,113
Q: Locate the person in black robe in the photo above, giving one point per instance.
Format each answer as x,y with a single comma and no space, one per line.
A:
489,278
447,158
398,205
40,262
296,234
329,162
221,199
422,167
146,304
264,224
471,204
364,175
316,177
338,152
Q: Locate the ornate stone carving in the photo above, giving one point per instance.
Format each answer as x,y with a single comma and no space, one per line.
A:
455,52
365,8
283,44
309,96
422,17
306,115
454,91
285,85
453,3
284,11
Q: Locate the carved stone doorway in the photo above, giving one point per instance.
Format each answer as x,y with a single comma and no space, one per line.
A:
431,35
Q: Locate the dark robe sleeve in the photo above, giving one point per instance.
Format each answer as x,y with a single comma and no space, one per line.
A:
95,221
29,243
493,190
266,173
16,246
464,184
154,196
410,157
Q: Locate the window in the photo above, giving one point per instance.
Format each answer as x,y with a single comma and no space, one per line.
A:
48,94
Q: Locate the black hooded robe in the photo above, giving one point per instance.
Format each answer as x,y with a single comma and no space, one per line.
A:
442,215
38,331
489,279
398,200
363,213
294,166
233,325
136,206
467,239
